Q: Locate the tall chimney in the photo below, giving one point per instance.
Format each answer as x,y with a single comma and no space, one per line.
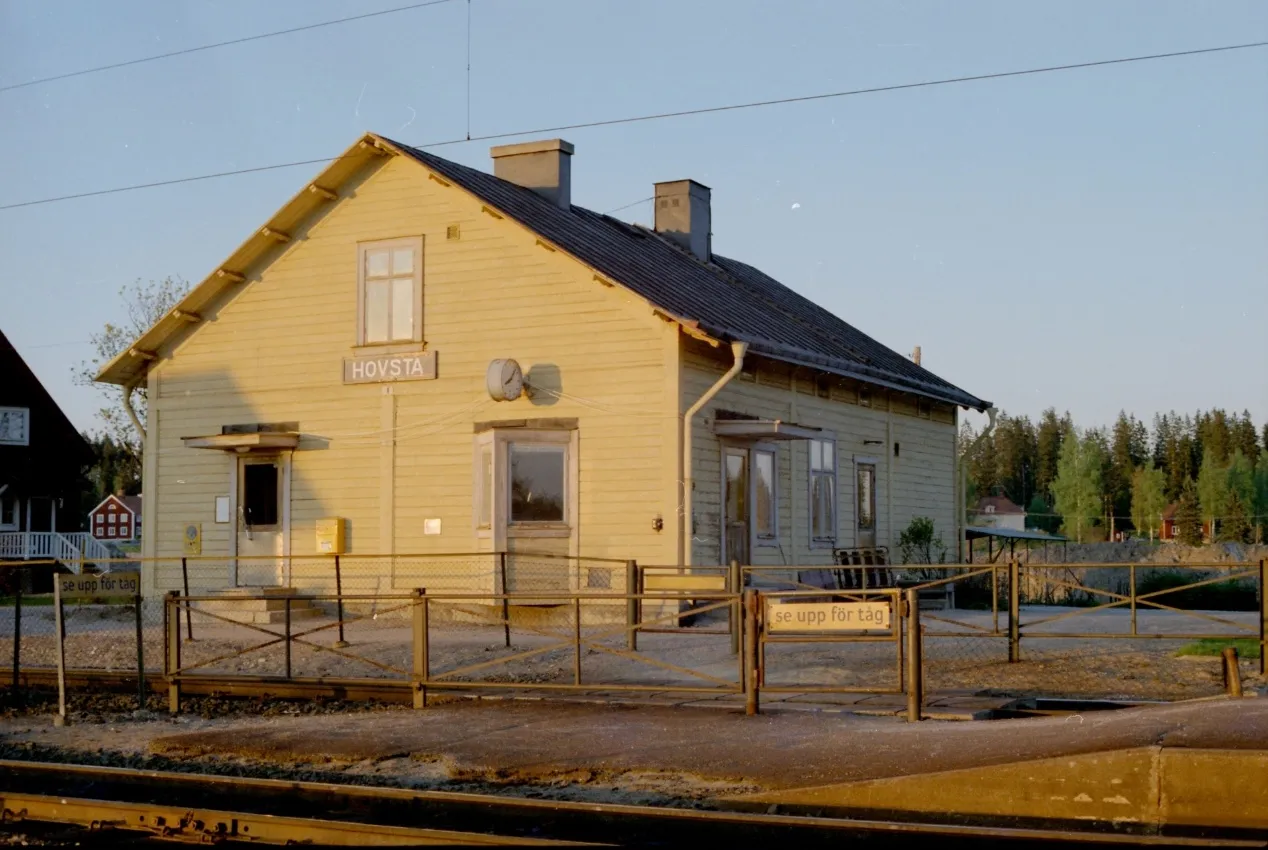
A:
915,355
682,214
544,166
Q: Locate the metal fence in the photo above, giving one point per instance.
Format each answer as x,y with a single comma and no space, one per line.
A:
1131,631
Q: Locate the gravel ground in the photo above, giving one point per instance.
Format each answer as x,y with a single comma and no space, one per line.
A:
104,638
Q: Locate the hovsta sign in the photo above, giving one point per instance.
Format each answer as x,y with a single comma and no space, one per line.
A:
415,366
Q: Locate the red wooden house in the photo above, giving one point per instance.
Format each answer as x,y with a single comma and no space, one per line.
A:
117,518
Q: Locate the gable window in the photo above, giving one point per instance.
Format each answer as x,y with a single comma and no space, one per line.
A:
390,286
765,525
823,492
15,426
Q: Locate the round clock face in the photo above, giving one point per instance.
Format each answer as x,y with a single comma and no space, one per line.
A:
512,381
505,380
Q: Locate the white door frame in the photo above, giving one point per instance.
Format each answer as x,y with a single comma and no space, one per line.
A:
285,460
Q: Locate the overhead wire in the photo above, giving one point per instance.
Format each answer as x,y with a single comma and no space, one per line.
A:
610,122
203,47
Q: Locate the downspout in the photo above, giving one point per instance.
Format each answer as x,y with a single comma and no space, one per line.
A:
128,389
991,412
685,532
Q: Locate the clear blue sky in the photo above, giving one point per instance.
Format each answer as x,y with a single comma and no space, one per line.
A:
1089,239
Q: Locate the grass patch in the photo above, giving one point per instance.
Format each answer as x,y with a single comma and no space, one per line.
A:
27,601
1246,647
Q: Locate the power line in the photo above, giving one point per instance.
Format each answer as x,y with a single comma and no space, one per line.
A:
664,115
203,47
631,204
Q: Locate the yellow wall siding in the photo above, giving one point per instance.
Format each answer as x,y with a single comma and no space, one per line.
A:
273,351
920,482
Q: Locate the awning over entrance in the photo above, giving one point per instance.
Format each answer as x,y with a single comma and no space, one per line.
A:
258,441
763,429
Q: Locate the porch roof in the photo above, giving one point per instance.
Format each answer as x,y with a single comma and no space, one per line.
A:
244,442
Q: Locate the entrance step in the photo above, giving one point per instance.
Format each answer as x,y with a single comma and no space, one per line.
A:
259,605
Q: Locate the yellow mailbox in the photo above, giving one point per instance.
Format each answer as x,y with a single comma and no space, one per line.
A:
330,535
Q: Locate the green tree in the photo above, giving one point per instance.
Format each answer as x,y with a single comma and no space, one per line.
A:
1015,457
1149,499
1235,527
1039,515
1241,480
1215,437
1077,491
1261,489
1127,452
143,305
1212,490
1188,519
1048,436
1245,439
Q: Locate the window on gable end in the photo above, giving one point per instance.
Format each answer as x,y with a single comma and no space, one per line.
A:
390,291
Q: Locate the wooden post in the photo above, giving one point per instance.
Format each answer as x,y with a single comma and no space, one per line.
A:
422,666
59,623
15,693
140,656
915,665
1131,577
576,640
189,612
506,602
631,606
1232,672
751,624
341,642
735,584
288,637
1014,612
172,650
1263,616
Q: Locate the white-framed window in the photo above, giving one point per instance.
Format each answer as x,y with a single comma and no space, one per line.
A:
765,497
15,426
823,492
390,291
9,513
525,483
538,491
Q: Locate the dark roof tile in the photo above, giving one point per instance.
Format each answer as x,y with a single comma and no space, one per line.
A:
728,299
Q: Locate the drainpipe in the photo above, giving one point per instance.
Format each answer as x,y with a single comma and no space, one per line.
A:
991,412
128,389
685,534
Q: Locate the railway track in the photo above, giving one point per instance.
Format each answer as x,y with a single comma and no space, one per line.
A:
110,802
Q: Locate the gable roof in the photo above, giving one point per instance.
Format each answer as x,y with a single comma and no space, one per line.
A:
997,505
23,388
726,299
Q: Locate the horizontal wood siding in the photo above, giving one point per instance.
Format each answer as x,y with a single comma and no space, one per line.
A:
919,482
273,352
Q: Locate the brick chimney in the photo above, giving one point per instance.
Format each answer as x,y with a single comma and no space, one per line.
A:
682,214
543,166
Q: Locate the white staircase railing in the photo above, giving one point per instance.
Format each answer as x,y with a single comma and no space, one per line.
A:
72,548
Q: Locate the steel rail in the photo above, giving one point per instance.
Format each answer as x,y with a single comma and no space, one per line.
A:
600,818
210,826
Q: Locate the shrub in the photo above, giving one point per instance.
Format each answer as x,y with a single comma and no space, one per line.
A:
1219,596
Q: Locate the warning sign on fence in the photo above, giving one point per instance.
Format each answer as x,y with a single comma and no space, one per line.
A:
826,616
107,586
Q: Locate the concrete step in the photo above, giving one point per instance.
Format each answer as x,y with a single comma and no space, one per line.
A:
298,603
263,618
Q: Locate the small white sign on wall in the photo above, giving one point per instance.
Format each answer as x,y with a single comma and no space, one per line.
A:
222,509
431,526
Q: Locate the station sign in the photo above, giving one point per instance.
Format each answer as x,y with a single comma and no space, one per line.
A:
107,587
826,616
